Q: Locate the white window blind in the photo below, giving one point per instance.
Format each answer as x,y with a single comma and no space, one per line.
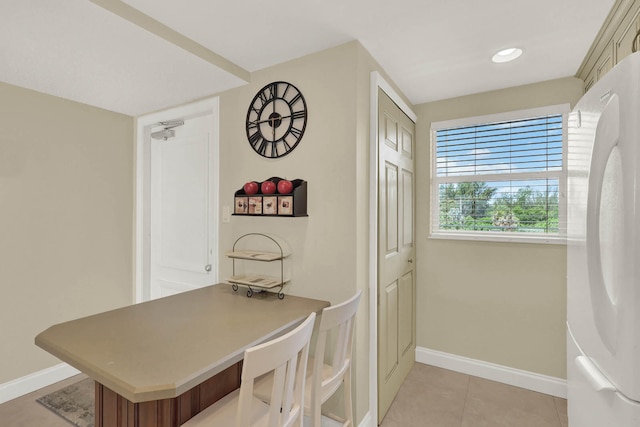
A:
499,178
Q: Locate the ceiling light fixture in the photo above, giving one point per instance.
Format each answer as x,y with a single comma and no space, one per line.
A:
507,55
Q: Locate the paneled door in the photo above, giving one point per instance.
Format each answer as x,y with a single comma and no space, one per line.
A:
181,217
396,250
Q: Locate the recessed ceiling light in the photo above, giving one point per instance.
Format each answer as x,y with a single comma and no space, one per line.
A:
507,55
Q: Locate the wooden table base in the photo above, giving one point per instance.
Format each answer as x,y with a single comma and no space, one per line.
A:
113,410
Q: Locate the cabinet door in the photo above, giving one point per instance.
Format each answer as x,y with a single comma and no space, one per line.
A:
605,61
625,35
601,67
590,80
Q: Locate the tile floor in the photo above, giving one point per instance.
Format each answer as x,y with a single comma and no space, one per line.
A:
435,397
429,397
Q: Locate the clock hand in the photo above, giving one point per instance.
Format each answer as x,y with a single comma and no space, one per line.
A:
257,122
273,125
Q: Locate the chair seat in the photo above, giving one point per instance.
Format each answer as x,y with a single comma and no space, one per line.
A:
223,413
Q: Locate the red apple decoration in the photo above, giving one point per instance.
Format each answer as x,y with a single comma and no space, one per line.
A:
285,186
268,187
251,187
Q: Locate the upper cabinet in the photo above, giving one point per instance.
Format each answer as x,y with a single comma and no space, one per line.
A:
613,43
604,63
625,35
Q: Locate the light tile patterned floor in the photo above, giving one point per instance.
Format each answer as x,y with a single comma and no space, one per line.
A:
435,397
429,397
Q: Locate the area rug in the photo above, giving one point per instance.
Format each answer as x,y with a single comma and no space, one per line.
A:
74,403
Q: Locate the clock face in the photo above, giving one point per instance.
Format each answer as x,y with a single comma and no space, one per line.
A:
276,119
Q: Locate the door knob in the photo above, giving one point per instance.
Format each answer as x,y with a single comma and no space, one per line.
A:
207,267
411,261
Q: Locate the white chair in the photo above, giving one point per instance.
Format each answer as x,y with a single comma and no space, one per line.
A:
286,357
324,376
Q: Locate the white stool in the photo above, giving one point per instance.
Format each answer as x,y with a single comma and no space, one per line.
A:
324,378
286,358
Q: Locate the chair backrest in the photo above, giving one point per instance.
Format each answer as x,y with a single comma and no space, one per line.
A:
287,357
338,319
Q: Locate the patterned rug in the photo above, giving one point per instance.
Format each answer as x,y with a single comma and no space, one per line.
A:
74,403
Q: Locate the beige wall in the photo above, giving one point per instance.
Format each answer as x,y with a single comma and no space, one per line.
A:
66,191
323,244
331,246
498,302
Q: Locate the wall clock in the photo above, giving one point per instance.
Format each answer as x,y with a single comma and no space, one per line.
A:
276,119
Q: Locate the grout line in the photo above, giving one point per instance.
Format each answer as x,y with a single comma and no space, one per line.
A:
466,395
555,402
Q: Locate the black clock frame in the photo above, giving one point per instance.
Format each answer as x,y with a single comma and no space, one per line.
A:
272,94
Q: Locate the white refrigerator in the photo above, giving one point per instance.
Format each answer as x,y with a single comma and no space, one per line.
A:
603,252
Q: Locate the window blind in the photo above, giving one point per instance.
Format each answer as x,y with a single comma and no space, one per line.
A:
498,177
507,147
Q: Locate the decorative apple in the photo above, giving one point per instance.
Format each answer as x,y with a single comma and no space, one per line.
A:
285,186
251,187
268,187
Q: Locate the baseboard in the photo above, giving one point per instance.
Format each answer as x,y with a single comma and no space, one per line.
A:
35,381
367,421
491,371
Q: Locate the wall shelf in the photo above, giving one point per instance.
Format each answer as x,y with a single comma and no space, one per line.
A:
293,204
257,282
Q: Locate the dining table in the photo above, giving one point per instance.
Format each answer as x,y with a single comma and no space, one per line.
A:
160,362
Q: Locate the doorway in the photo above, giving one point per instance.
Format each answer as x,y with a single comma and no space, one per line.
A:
177,200
392,258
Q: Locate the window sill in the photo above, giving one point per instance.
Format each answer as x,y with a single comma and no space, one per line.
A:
501,237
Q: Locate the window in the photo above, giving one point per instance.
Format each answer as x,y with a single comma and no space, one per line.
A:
500,177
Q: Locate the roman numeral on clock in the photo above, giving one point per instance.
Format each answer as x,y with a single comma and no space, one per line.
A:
255,139
295,98
262,149
298,115
296,132
264,98
273,90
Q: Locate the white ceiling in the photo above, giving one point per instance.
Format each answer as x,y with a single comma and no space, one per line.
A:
433,49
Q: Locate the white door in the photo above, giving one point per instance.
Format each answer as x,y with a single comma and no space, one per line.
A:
396,250
181,216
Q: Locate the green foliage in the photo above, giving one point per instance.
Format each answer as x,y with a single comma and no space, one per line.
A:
477,206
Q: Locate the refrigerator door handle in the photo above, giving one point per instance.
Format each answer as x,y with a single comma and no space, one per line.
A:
594,377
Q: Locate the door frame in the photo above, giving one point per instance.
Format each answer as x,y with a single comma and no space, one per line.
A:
377,81
142,262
